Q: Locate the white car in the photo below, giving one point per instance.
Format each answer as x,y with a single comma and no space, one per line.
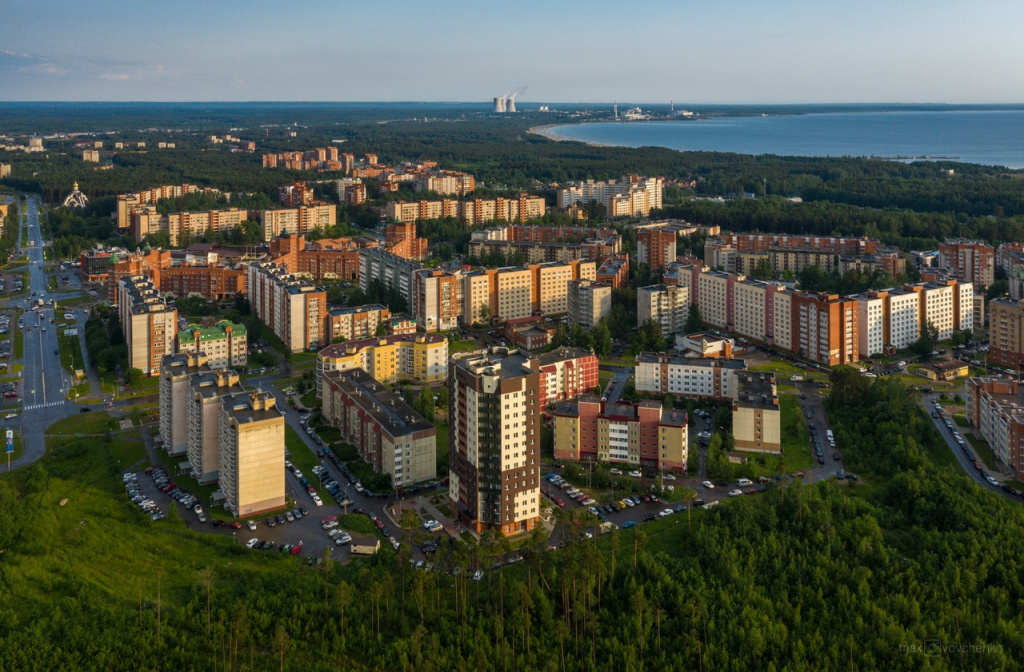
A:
478,574
10,415
668,477
991,480
709,485
251,543
317,500
635,474
251,524
665,512
616,472
736,493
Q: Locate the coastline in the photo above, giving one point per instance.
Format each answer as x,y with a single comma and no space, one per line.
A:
545,132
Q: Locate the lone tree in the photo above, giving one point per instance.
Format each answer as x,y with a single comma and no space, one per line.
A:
693,320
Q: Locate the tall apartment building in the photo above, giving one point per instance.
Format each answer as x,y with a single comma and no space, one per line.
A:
589,302
354,322
630,196
251,453
756,417
416,357
947,305
324,259
445,182
889,320
148,323
1006,332
825,328
796,259
995,406
91,155
715,295
224,344
641,434
668,305
400,211
752,308
5,171
389,435
514,292
979,312
699,378
763,242
656,247
206,392
396,272
295,310
1010,257
614,271
401,241
175,371
301,219
437,299
171,274
969,261
494,440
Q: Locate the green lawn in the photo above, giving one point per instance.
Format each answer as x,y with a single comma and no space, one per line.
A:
85,424
18,348
74,301
357,523
961,420
796,445
70,352
983,451
462,346
310,400
303,458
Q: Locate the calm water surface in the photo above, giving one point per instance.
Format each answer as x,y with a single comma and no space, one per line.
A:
991,137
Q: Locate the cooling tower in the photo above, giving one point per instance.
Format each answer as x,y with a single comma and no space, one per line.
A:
511,107
499,105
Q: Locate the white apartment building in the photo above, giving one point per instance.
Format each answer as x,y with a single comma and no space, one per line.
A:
148,323
674,373
206,390
589,302
887,318
668,305
782,319
715,298
175,371
749,313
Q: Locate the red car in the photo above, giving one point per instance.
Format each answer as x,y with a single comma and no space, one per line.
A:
798,474
296,549
312,490
11,395
235,525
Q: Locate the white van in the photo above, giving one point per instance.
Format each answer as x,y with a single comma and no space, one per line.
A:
744,482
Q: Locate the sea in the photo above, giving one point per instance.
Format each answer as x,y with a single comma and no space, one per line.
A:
987,137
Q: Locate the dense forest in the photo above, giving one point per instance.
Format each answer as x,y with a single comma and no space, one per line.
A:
835,576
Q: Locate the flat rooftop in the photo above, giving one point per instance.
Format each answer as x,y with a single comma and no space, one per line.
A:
757,389
676,357
387,408
250,407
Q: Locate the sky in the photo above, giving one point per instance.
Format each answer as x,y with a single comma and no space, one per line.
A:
710,52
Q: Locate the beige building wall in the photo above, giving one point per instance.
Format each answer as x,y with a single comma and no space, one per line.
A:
513,291
746,422
252,454
783,319
713,299
749,315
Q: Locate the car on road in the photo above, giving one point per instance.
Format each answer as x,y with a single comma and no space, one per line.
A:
252,543
735,493
635,474
836,457
668,477
709,485
665,512
616,472
628,524
477,575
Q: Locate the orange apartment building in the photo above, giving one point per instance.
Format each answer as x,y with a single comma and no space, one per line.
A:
825,328
211,282
614,271
401,241
436,299
656,247
968,261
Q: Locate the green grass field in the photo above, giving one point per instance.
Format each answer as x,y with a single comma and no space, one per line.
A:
983,451
462,346
70,352
796,445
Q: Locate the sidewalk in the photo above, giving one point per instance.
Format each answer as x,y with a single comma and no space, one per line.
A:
451,527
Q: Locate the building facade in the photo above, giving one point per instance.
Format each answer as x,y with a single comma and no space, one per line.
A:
676,374
969,261
251,453
756,418
175,371
148,323
494,440
641,434
389,435
420,358
995,406
206,392
588,303
224,344
668,305
294,309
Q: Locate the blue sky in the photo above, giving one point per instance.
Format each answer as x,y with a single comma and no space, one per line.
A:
724,51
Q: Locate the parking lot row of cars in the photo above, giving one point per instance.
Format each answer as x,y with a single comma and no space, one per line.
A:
266,545
580,497
976,462
164,483
131,486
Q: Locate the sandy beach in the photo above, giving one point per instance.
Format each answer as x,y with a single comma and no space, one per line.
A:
545,132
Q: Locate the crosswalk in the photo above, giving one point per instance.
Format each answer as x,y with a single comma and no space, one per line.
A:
33,407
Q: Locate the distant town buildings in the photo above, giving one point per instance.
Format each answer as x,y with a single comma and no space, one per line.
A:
472,212
676,374
656,247
540,244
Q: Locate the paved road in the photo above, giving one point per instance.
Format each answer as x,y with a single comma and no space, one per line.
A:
929,401
44,382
